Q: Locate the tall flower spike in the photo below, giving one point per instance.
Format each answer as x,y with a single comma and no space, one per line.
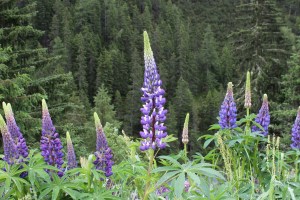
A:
11,154
14,131
71,153
228,110
296,132
248,92
185,132
263,117
103,152
153,110
50,143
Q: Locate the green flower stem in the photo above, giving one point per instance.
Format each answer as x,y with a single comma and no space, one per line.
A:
248,122
147,188
296,170
185,153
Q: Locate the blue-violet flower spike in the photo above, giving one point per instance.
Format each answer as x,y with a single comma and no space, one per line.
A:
153,110
50,143
296,132
11,154
228,110
263,117
103,152
14,131
71,157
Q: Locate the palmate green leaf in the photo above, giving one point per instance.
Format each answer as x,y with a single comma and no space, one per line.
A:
232,142
172,160
258,125
164,169
167,177
194,177
207,142
42,174
214,127
55,192
45,192
72,193
208,172
179,185
170,138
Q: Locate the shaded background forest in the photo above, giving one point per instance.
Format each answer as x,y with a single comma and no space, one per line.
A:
87,55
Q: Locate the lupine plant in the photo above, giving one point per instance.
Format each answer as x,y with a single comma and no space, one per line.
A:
243,161
50,142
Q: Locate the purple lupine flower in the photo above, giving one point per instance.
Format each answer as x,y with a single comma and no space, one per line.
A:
186,185
50,143
296,132
228,110
263,117
153,110
11,154
103,152
72,163
162,191
14,131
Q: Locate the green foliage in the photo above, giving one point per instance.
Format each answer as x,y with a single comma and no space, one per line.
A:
104,107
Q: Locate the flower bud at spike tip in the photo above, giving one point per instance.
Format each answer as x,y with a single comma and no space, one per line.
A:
248,91
263,117
51,146
97,121
10,150
185,132
14,131
153,112
296,132
103,152
71,154
228,111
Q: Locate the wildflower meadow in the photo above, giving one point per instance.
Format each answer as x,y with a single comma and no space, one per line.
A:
242,159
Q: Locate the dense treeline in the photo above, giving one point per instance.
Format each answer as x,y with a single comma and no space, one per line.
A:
86,56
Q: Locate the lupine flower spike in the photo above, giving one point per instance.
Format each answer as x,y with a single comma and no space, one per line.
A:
103,152
185,132
228,110
14,131
11,154
263,117
248,92
153,110
71,153
50,143
296,132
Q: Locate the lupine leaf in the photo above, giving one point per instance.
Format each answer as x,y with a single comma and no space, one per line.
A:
179,185
55,193
172,160
167,177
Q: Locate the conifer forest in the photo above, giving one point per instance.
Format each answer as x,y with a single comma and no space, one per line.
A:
149,99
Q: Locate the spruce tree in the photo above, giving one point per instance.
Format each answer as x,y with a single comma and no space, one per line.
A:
209,58
21,55
260,46
183,100
133,102
104,107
